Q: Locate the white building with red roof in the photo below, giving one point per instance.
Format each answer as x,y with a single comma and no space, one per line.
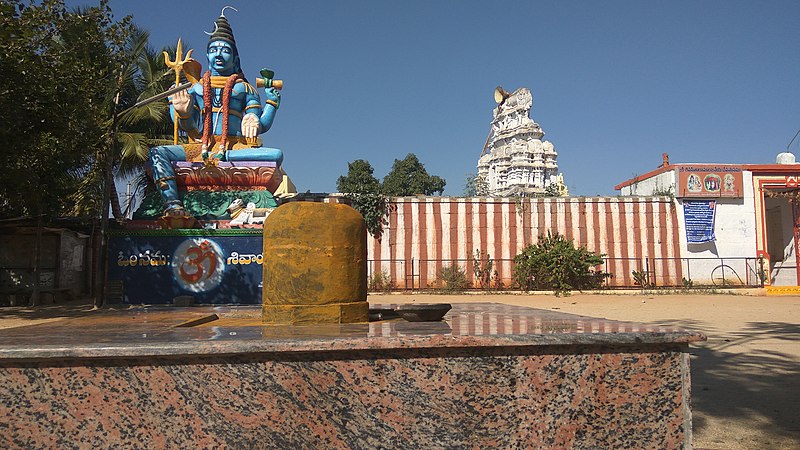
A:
747,214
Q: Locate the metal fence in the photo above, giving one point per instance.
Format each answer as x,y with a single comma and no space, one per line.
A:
710,272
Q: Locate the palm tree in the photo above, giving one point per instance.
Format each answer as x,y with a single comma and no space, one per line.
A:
144,75
146,126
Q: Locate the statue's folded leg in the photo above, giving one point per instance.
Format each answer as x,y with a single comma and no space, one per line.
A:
161,159
255,154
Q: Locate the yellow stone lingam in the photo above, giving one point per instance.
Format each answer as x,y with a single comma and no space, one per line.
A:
315,265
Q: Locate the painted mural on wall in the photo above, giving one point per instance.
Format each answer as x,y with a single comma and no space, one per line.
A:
214,269
704,180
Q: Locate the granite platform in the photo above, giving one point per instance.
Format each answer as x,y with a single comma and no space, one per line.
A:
488,375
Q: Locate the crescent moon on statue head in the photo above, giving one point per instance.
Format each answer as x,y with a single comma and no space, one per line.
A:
215,30
222,13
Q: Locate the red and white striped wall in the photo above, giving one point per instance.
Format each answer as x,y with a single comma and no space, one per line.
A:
426,233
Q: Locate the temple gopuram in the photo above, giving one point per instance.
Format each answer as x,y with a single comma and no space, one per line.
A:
515,161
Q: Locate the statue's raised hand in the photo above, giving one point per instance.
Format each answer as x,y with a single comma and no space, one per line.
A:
250,125
182,102
273,97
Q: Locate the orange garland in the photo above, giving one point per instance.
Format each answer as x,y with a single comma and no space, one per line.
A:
208,132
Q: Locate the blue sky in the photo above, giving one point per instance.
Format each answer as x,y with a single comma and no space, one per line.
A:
615,83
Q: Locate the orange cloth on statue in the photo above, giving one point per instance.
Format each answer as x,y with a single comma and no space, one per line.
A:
194,150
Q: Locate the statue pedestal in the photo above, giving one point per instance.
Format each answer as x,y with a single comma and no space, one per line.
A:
208,191
217,262
227,176
154,266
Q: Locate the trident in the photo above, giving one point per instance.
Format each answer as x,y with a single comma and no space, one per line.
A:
177,66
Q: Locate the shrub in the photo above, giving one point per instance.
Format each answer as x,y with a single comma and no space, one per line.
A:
483,269
379,281
555,264
452,279
642,279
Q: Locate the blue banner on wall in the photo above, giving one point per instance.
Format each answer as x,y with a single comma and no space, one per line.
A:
699,219
156,268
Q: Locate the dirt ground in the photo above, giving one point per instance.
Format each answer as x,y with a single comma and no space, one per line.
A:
745,378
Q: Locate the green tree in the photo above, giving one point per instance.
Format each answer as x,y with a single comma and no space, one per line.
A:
57,83
551,190
409,177
144,74
554,263
475,186
359,179
363,192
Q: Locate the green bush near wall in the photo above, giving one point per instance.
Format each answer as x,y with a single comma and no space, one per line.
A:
554,263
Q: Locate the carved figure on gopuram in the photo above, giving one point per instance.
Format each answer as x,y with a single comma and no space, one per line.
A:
224,160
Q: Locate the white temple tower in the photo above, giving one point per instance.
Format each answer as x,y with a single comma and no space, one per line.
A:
515,161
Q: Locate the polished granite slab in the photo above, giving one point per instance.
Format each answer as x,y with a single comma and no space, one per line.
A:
488,376
151,331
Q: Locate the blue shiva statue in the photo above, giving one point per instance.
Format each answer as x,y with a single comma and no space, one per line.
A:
222,115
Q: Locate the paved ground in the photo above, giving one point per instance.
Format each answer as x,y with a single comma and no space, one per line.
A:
746,377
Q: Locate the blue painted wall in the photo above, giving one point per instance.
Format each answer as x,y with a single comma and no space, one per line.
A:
213,266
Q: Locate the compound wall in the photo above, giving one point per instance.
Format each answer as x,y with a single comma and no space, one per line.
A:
425,234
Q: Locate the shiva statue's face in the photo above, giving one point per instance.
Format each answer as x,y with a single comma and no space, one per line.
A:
221,58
